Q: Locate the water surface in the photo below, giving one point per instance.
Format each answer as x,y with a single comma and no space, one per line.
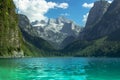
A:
60,69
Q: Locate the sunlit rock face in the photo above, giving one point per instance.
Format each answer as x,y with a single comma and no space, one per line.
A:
55,31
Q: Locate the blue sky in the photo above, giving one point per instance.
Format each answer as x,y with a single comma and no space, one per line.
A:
75,10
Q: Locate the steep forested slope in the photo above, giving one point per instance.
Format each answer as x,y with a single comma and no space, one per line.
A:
10,36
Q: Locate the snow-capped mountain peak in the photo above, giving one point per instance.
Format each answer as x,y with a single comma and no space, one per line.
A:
56,30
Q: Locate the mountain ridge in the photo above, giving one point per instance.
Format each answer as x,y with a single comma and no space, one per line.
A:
102,39
55,31
98,39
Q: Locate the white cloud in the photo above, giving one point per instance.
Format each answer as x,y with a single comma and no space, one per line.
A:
110,1
85,17
36,9
63,5
88,5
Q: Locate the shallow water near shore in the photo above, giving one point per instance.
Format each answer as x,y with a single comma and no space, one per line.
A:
60,69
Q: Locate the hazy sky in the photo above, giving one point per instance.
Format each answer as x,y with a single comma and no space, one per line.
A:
76,10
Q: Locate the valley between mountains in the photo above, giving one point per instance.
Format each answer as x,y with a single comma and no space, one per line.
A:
61,37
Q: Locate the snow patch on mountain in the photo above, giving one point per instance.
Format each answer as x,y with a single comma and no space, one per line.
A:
55,31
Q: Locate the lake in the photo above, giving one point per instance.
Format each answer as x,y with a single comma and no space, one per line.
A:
60,69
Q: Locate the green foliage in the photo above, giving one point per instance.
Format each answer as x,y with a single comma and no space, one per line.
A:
10,35
36,41
75,47
6,45
34,46
97,48
11,40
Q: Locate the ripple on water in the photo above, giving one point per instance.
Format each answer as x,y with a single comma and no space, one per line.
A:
60,69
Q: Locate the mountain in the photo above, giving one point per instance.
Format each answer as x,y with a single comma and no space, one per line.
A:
102,39
12,43
95,15
30,36
55,31
10,35
108,24
67,41
97,12
37,46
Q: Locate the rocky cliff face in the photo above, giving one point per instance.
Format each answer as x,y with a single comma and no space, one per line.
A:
95,15
103,39
25,25
10,36
30,35
56,30
109,23
97,12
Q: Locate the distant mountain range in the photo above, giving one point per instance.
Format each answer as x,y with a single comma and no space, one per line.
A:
61,37
55,31
101,38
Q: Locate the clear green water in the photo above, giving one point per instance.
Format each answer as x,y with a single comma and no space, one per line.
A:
60,69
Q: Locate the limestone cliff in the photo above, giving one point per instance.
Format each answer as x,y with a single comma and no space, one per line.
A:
97,12
10,36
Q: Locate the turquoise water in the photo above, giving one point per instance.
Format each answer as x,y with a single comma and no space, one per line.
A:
60,69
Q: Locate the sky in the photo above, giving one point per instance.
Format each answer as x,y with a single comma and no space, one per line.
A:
75,10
